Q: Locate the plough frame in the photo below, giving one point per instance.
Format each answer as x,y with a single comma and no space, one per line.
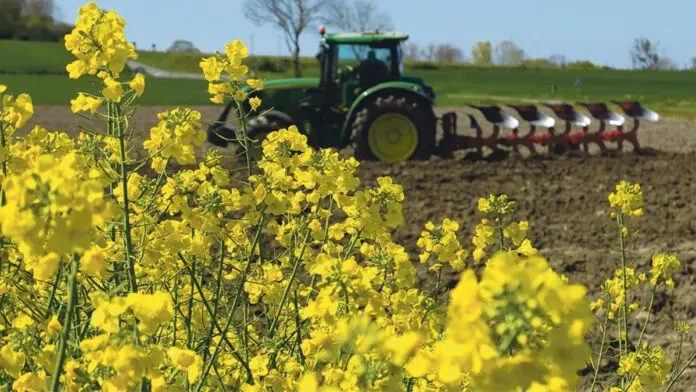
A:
557,143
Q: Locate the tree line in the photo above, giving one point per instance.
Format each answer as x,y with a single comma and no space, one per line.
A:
35,20
31,20
294,17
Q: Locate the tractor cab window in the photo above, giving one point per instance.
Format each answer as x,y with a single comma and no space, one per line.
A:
400,58
366,64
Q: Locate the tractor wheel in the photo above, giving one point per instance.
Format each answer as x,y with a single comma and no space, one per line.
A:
393,129
258,129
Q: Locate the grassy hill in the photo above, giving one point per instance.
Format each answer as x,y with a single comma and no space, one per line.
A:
39,69
33,58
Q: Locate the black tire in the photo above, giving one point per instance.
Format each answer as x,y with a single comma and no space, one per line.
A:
259,127
422,117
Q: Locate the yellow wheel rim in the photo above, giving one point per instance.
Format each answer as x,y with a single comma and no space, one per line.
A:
392,137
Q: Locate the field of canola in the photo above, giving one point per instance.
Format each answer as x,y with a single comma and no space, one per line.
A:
131,262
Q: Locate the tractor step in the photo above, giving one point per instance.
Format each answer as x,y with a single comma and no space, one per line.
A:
558,142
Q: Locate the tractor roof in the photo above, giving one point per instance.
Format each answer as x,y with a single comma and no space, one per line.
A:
365,38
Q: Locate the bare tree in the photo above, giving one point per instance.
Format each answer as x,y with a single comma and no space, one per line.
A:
508,53
666,64
412,51
428,53
482,52
447,53
356,16
290,16
644,54
693,63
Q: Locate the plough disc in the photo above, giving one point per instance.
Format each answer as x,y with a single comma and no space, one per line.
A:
550,138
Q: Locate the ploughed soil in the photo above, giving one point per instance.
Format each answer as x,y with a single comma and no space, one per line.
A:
564,199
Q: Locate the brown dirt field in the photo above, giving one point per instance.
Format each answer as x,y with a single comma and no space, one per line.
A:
563,198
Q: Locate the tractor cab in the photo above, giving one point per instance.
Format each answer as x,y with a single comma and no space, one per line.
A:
352,63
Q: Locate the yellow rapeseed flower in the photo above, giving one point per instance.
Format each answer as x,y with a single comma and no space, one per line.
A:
627,199
11,361
188,361
84,102
113,90
98,42
138,84
31,382
254,103
663,266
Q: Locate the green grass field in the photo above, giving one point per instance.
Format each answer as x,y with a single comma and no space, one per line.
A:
59,89
39,69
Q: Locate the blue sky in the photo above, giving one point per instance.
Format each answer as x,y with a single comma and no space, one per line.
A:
597,30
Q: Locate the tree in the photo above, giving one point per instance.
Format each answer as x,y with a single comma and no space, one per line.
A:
10,18
31,20
428,53
412,51
183,46
292,17
693,63
36,11
558,60
644,54
356,16
482,53
508,53
666,64
447,53
538,63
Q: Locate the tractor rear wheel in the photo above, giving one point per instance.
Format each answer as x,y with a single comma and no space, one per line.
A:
258,129
393,129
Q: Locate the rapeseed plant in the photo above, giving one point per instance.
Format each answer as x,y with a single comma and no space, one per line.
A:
112,279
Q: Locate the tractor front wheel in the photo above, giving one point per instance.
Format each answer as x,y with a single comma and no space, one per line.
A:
258,128
393,129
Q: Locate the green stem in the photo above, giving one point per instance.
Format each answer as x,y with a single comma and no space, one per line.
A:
624,321
128,241
501,238
216,299
245,323
299,331
176,306
437,283
681,371
223,334
601,351
3,144
53,293
284,298
647,320
230,316
677,360
245,144
189,316
67,324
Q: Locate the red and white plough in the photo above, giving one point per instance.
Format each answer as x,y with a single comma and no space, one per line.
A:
558,142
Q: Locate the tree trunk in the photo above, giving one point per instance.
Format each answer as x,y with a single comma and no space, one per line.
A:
296,57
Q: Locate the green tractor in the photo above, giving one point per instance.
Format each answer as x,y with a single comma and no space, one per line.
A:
361,98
